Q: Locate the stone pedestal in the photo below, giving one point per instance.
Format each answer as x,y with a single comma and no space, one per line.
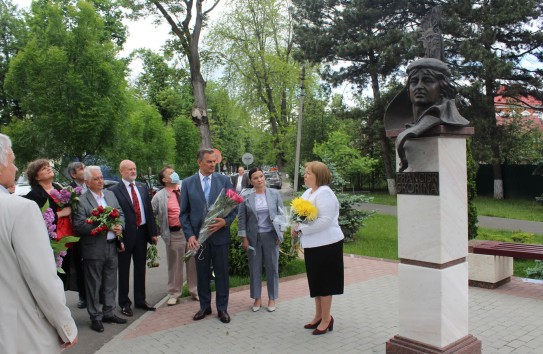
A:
490,272
432,247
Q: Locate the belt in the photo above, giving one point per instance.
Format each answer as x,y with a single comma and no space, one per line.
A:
175,228
112,240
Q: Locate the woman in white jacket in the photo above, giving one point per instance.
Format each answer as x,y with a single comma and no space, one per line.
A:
322,241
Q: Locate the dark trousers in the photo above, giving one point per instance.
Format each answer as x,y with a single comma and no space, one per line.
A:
135,249
101,283
218,256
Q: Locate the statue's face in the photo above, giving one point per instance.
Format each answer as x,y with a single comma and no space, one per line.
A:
424,89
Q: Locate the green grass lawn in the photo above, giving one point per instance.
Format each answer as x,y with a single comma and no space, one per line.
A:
520,209
379,238
510,208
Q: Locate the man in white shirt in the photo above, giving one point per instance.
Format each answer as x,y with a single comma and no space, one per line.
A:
99,251
241,181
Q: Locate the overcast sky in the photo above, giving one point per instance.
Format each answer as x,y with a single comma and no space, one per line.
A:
144,34
141,34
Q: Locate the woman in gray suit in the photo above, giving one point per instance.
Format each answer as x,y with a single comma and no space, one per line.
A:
261,237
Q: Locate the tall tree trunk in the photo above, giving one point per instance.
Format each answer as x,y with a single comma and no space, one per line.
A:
189,43
199,112
385,144
494,143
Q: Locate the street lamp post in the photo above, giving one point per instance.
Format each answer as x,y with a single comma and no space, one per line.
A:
299,133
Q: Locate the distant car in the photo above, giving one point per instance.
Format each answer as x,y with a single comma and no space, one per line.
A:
22,187
108,183
273,180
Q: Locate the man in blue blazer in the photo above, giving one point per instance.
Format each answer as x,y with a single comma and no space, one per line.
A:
140,229
199,191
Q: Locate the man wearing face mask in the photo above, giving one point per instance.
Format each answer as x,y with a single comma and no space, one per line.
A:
166,208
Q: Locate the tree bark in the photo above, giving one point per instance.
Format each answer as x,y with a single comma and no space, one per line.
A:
494,143
385,145
189,43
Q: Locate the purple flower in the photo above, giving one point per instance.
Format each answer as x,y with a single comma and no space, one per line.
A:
55,194
65,196
78,190
49,218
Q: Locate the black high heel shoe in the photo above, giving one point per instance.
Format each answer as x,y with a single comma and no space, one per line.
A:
313,325
330,328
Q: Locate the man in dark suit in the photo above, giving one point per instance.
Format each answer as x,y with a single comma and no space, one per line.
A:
99,251
76,170
140,229
241,180
199,191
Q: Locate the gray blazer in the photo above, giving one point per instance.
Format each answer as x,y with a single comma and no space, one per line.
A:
160,210
92,247
247,218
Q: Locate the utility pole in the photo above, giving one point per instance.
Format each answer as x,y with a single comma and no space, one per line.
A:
299,134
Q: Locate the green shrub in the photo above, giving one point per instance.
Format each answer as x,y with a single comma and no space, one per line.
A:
523,237
351,219
237,257
536,272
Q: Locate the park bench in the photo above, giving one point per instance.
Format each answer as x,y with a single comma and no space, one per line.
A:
490,263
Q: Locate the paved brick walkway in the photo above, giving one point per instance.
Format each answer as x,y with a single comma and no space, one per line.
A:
507,320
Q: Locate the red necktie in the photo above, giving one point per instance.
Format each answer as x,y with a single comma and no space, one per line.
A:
136,205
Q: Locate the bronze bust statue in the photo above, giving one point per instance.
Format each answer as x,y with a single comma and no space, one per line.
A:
428,94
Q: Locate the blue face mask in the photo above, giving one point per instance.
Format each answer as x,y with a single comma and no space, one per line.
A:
175,177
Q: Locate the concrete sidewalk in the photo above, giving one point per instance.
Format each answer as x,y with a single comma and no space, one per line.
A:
506,320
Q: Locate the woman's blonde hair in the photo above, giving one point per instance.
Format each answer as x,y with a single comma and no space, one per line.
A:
321,172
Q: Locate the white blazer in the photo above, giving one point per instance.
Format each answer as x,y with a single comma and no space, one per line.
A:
33,312
324,230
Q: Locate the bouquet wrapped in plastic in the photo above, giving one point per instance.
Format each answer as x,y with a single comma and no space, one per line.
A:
152,257
225,203
302,211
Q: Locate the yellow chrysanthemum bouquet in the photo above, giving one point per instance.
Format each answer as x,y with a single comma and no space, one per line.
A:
302,211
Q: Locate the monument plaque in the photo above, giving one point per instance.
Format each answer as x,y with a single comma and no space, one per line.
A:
421,183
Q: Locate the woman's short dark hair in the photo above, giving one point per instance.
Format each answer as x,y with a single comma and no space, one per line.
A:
33,169
253,170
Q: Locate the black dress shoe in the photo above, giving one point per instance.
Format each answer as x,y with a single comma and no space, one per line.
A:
201,314
113,319
81,304
127,311
96,325
224,316
145,306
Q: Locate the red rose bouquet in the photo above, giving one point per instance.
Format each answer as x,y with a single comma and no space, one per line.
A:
225,203
105,218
